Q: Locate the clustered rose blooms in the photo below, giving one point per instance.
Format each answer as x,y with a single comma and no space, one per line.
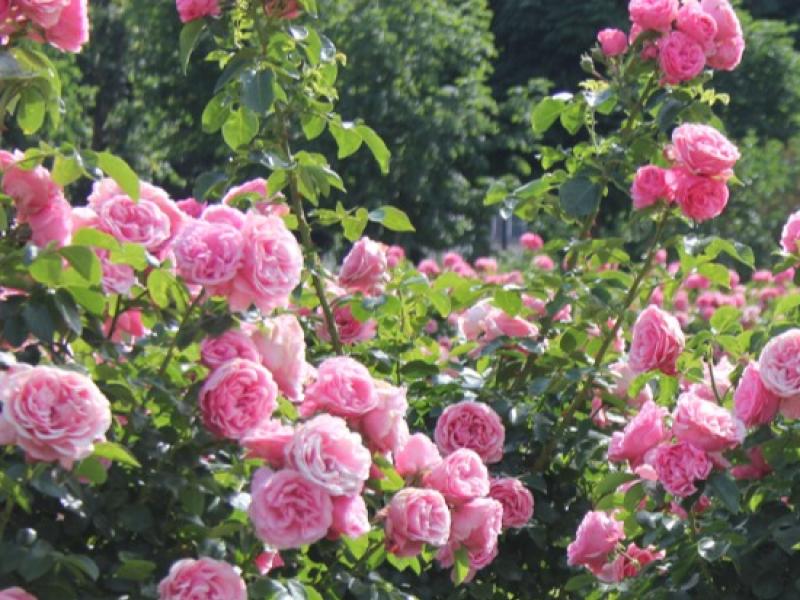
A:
62,23
214,579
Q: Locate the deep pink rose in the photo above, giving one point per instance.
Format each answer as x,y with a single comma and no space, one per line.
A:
698,25
644,432
45,13
189,10
271,266
129,326
516,499
287,510
418,455
657,342
385,427
531,241
613,42
268,441
268,561
705,424
364,268
727,22
350,517
203,579
238,396
779,365
755,404
597,535
704,151
71,31
15,593
282,346
343,387
657,15
727,54
215,351
52,224
790,239
395,255
650,185
224,215
328,454
460,477
191,207
472,425
350,329
415,517
679,466
55,415
680,57
208,254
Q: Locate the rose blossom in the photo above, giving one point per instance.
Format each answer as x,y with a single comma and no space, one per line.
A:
484,322
32,190
657,15
344,387
52,224
650,185
223,215
385,426
623,377
282,347
597,535
531,241
268,441
472,425
53,414
779,365
790,238
190,10
727,54
679,466
238,396
350,517
680,57
350,329
215,351
705,424
191,207
45,13
657,342
419,454
72,30
364,268
703,150
203,579
722,12
415,517
755,404
645,431
698,24
15,593
267,561
516,499
327,453
287,510
613,42
476,526
700,198
208,254
117,278
460,477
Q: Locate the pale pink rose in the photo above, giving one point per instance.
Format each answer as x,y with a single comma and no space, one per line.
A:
613,42
344,387
45,13
756,469
208,254
350,329
255,189
762,276
418,455
779,365
657,15
271,265
268,561
644,432
282,347
268,441
117,278
679,466
472,425
328,454
287,510
395,255
650,185
597,535
680,57
429,268
704,151
32,190
460,477
223,215
695,281
755,404
238,396
544,263
215,351
657,343
203,579
415,517
476,526
385,427
486,264
698,25
71,31
531,241
484,322
727,54
727,22
705,424
55,415
516,499
623,377
53,224
190,10
15,593
191,207
790,238
790,407
350,517
364,267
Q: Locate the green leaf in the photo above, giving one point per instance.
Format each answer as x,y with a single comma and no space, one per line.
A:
725,488
545,114
509,301
158,284
313,126
39,320
132,255
190,35
377,146
461,566
353,226
572,117
115,452
93,301
135,570
47,269
717,274
347,138
68,310
82,563
240,128
578,582
31,110
85,262
392,218
580,197
66,170
92,469
215,113
611,482
94,237
257,93
120,172
441,302
726,319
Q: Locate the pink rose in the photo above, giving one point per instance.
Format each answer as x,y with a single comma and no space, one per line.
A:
257,193
54,414
52,224
237,397
790,239
419,454
140,222
429,268
328,454
516,499
727,54
544,263
756,469
45,13
460,477
223,215
679,466
350,329
343,387
385,426
657,15
71,31
727,22
698,25
484,322
268,441
486,264
613,42
680,57
415,517
191,207
282,346
350,517
650,185
205,578
705,424
282,9
476,526
208,254
287,510
189,10
597,535
395,255
32,190
657,342
129,326
215,351
623,377
268,561
15,593
644,432
364,268
779,365
704,151
117,278
531,241
472,425
755,404
271,266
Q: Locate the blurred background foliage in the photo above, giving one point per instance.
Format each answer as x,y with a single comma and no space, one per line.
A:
449,85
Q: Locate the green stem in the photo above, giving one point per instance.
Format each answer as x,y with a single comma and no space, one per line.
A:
639,106
174,343
6,516
115,318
